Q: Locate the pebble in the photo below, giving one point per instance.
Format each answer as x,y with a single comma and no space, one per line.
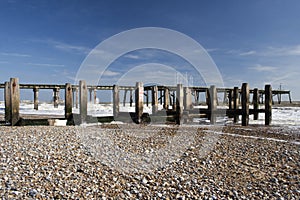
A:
56,163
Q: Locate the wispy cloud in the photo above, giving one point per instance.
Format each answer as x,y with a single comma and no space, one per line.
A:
247,53
45,65
64,46
110,73
212,50
284,51
132,56
69,47
263,68
14,54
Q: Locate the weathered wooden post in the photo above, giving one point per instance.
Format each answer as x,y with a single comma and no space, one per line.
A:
124,98
91,94
68,102
7,102
268,104
55,97
179,104
14,100
139,103
147,97
35,98
75,97
83,101
174,100
160,95
131,99
154,99
230,99
245,104
212,103
207,97
235,104
116,101
166,98
95,96
187,98
255,103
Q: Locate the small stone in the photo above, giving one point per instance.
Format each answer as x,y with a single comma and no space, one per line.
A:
32,193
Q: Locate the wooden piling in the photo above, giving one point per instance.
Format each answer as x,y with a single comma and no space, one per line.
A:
230,99
68,102
173,101
95,96
154,99
116,101
235,104
255,103
83,101
187,98
14,101
212,103
124,99
179,104
91,94
7,102
160,99
131,99
166,98
147,98
36,98
139,101
55,97
268,104
245,104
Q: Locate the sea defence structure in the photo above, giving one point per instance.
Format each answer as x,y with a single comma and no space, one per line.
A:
179,104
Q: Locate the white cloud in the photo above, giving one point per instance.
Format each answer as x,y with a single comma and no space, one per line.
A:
64,46
69,47
284,51
14,54
262,68
45,65
212,50
248,53
110,73
132,56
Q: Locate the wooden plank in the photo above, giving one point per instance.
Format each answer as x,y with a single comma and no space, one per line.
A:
212,103
7,102
245,104
124,98
116,101
14,101
95,96
68,102
236,103
268,104
166,98
154,99
187,98
55,97
255,103
179,104
139,101
36,98
83,101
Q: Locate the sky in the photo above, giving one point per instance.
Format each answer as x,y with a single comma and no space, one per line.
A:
257,41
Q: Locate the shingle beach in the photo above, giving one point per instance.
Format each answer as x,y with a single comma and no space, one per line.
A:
45,162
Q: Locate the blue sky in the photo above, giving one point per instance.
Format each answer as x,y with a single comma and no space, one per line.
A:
250,41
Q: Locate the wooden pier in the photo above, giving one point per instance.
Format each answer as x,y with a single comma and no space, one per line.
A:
180,104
